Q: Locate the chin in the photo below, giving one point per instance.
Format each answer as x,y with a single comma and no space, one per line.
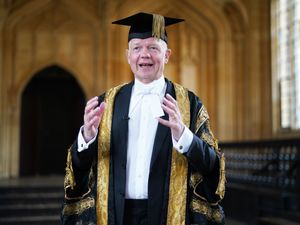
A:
145,79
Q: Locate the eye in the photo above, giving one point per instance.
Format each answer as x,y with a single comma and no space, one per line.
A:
136,48
154,48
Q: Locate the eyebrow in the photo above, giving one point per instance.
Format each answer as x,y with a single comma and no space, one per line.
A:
134,44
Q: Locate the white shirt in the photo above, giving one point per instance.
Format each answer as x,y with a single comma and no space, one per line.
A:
144,109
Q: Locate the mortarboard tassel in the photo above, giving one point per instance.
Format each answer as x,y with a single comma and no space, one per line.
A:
158,26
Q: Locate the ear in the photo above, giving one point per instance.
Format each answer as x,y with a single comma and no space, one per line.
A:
127,55
167,55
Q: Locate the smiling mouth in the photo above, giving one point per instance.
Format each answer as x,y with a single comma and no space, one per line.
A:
145,65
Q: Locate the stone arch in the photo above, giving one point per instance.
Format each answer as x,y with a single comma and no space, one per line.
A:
52,104
17,75
19,87
31,10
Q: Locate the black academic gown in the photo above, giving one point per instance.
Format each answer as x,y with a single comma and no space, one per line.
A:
201,156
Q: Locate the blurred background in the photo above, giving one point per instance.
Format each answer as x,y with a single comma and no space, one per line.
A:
242,57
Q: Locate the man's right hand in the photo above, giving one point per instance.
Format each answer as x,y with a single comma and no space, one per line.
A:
92,118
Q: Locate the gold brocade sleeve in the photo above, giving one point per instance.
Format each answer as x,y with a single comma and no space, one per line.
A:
80,203
203,120
70,181
208,137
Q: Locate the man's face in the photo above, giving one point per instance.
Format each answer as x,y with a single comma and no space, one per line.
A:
147,58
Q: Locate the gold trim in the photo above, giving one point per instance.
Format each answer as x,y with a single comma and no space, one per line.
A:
69,181
209,140
196,178
201,118
222,178
214,140
203,198
79,197
85,194
104,157
204,208
69,177
78,207
221,184
179,167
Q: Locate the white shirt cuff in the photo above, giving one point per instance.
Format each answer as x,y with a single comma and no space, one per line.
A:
82,145
184,142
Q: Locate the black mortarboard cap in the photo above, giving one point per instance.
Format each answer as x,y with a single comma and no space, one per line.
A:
145,25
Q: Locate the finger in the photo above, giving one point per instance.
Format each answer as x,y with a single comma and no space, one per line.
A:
172,114
97,122
89,115
173,100
91,105
94,131
170,104
92,99
102,108
98,111
92,123
170,98
166,123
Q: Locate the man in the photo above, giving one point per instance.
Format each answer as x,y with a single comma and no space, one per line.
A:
145,154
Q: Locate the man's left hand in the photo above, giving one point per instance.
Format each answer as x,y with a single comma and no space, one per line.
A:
175,123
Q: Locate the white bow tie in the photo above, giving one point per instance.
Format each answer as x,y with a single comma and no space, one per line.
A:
151,93
147,90
156,87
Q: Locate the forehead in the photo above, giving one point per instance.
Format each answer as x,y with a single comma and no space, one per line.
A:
146,41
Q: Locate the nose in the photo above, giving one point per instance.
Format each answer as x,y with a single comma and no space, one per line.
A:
145,53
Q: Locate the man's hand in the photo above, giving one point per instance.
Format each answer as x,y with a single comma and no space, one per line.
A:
92,117
174,123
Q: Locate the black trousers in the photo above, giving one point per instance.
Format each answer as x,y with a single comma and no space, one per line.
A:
135,212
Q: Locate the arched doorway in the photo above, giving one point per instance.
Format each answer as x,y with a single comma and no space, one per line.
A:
51,114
